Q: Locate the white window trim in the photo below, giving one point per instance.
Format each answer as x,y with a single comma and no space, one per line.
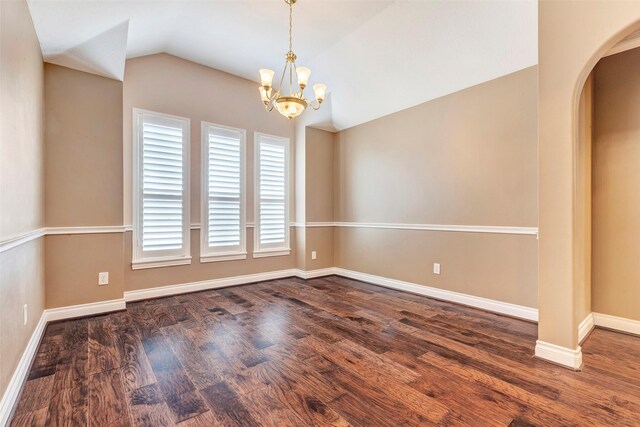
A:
285,248
160,262
206,255
140,261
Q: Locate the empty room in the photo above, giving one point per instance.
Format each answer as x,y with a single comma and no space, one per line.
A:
319,213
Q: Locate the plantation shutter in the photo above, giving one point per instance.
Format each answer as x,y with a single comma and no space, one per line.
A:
163,185
272,187
225,199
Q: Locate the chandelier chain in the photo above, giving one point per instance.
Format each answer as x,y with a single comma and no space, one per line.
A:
290,26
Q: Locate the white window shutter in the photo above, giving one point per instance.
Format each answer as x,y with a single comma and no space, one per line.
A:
272,187
272,194
223,190
161,177
162,185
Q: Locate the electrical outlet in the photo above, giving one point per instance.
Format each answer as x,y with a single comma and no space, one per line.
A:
314,255
25,314
436,268
103,278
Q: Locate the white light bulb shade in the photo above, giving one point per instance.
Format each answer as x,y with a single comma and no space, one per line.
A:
264,94
303,75
266,77
290,106
320,90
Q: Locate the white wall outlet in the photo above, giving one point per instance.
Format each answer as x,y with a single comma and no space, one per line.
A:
103,278
436,268
25,314
314,255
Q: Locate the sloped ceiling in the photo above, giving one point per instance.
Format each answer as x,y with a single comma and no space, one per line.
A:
377,57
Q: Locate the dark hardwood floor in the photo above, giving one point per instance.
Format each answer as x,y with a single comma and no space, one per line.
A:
328,351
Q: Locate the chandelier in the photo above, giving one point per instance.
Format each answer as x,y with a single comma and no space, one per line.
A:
294,103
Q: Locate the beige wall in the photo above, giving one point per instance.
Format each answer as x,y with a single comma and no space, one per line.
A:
300,162
21,182
186,89
319,173
501,267
21,282
616,185
572,37
87,119
73,263
21,144
583,201
83,162
171,85
321,241
83,148
319,186
89,130
468,158
154,277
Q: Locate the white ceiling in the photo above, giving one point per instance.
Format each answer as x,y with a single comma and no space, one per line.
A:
376,56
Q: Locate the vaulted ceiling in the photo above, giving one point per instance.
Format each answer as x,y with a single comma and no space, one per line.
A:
376,56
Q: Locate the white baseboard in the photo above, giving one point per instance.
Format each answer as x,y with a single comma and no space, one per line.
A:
12,392
559,355
82,310
585,327
509,309
310,274
617,323
206,284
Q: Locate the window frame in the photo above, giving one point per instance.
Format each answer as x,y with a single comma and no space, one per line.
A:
260,251
206,254
140,259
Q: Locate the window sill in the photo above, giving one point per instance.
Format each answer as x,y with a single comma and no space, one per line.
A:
271,252
159,262
223,257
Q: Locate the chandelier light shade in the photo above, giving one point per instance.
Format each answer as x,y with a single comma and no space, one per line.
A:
320,89
266,77
293,103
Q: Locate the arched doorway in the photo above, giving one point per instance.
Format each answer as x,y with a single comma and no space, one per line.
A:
573,36
614,89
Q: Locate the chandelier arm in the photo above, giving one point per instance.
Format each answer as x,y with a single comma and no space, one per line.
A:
295,69
291,79
269,107
283,74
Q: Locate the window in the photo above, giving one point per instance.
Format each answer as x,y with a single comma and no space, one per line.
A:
161,190
223,194
271,196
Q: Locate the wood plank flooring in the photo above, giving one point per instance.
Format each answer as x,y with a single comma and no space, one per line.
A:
329,351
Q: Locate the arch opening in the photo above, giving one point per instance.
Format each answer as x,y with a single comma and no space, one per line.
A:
573,36
603,270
